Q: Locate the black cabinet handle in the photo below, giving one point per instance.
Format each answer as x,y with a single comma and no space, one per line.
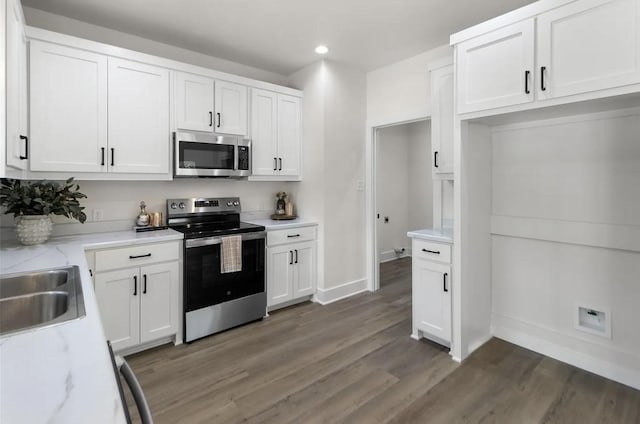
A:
296,255
435,159
543,70
526,82
139,256
219,119
144,278
102,160
113,156
444,282
293,235
26,147
135,285
280,169
210,119
275,164
437,252
290,257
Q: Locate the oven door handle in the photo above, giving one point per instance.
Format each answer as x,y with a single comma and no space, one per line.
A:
210,241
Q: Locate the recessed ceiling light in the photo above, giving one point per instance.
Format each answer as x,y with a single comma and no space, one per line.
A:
322,49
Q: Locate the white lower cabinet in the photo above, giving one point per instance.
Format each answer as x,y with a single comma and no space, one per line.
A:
137,304
431,291
291,266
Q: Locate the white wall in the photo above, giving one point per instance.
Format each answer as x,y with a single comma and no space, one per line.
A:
420,177
392,189
334,116
404,187
549,177
401,91
64,25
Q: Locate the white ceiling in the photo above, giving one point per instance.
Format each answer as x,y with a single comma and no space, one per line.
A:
280,35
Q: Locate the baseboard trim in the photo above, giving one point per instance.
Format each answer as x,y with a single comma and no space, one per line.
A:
390,255
542,343
333,294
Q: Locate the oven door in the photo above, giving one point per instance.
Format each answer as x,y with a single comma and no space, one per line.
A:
205,155
205,285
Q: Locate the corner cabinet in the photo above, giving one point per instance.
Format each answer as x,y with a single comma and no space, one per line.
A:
442,121
291,266
431,291
276,135
204,104
16,88
580,47
137,290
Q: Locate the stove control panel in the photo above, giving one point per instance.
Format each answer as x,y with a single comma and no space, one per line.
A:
196,206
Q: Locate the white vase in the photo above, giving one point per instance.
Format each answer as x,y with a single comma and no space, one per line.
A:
33,229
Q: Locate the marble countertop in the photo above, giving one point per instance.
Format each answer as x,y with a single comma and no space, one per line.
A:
443,235
63,373
273,224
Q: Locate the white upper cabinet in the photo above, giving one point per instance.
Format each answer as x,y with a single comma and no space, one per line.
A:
264,131
496,69
139,131
194,102
442,120
588,45
276,134
288,135
203,104
230,108
68,108
16,89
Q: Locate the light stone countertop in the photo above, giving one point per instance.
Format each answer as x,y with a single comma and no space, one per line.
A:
63,373
274,224
442,235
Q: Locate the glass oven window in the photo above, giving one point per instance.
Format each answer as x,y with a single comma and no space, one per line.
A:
206,156
205,285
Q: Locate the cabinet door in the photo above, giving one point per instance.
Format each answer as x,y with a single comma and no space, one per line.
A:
118,295
264,121
16,88
431,284
68,108
442,120
194,102
230,108
139,136
279,274
588,45
288,135
159,301
496,69
305,271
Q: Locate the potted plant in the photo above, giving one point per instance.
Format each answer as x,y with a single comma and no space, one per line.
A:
32,203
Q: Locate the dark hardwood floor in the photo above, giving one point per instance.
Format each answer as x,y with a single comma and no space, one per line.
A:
353,362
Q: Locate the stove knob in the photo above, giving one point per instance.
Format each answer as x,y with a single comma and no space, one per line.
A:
236,203
174,206
181,205
229,204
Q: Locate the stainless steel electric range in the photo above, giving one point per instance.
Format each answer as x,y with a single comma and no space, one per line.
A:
215,301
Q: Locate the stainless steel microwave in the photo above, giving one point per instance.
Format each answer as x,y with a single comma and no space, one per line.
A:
211,155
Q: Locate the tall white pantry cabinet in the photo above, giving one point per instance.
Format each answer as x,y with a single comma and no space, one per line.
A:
547,177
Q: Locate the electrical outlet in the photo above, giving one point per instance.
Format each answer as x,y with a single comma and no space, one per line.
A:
98,215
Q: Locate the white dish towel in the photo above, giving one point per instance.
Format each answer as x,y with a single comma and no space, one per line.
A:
231,254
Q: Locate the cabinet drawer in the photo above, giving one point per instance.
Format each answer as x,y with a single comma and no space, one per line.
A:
425,249
136,255
290,235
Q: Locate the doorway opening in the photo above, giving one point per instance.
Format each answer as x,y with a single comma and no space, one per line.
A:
402,194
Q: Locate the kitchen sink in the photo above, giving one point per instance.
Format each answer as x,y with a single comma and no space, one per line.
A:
37,299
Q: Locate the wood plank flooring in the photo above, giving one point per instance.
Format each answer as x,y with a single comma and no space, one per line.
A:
353,362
